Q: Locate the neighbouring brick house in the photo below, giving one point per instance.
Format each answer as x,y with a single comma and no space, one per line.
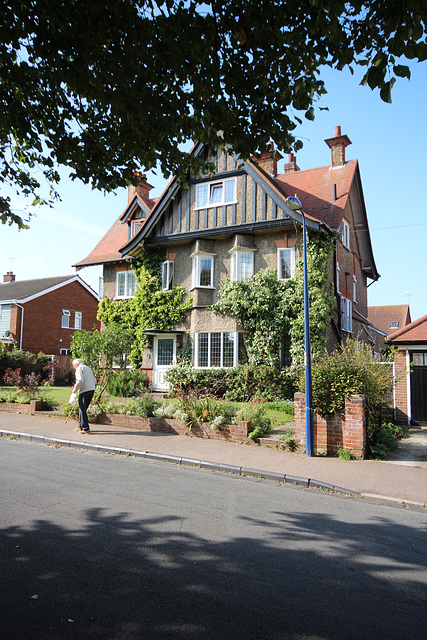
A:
387,319
43,314
231,225
410,368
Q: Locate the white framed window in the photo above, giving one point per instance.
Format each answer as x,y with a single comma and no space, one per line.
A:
242,265
215,349
286,263
65,320
346,314
354,288
215,194
65,352
100,287
338,277
202,272
78,320
167,275
135,226
345,234
125,284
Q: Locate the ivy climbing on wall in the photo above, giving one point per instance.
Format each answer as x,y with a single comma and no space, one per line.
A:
268,309
151,308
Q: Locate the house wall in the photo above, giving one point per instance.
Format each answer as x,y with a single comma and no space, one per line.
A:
42,318
401,388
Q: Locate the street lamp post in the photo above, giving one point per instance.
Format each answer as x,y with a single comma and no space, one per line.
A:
294,203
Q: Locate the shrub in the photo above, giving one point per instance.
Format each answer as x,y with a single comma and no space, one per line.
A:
384,439
260,423
238,384
347,371
143,406
127,383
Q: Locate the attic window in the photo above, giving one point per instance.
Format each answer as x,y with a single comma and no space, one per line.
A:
394,324
135,226
215,194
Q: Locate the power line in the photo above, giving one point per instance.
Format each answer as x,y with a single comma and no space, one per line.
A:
402,226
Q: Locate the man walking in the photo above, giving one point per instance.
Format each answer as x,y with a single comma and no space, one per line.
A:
85,385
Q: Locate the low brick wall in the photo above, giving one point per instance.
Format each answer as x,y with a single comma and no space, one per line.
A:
16,407
233,432
343,430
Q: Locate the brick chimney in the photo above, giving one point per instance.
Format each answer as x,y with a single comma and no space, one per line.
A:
9,277
291,164
337,145
143,189
269,159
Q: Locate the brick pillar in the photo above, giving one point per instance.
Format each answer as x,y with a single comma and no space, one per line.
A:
354,426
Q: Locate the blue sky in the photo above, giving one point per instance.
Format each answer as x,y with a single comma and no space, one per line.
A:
390,142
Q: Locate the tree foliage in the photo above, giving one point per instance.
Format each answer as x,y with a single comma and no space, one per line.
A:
111,86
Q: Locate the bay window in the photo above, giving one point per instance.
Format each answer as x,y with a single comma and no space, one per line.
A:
202,273
242,265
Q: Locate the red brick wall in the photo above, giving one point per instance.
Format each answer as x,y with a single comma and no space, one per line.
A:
344,430
42,318
401,388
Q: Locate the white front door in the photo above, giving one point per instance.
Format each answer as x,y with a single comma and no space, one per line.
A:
164,357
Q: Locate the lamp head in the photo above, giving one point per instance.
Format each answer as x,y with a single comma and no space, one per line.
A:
294,203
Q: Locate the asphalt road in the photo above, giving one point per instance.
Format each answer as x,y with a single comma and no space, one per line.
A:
99,546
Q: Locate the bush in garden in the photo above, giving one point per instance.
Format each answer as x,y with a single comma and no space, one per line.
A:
127,383
238,384
347,371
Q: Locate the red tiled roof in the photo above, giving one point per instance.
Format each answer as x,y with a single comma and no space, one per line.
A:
381,317
315,189
414,332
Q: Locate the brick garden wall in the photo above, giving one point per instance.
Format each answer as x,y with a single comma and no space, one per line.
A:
343,430
232,432
401,388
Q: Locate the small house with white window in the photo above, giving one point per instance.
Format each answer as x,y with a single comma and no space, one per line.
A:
233,224
41,315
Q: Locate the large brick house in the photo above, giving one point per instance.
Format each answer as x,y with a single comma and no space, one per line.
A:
43,314
231,225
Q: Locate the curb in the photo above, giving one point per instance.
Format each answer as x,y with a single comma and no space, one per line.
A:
213,466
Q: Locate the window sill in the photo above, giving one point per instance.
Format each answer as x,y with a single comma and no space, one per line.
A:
197,286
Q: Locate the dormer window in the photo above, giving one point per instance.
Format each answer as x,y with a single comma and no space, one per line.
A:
394,324
135,226
215,194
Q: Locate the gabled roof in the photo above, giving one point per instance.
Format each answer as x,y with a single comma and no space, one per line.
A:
107,249
26,290
382,316
415,333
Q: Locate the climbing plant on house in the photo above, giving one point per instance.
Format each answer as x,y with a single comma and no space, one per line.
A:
151,308
268,308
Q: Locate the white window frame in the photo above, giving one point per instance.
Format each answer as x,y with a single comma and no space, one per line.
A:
338,277
126,277
346,314
205,191
196,270
135,226
291,251
354,288
236,264
345,234
66,314
78,316
168,267
209,365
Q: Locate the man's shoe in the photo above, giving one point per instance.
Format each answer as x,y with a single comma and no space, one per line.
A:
78,429
86,430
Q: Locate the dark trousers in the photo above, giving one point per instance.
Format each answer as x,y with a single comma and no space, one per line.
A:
84,402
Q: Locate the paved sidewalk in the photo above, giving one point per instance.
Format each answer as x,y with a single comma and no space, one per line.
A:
396,480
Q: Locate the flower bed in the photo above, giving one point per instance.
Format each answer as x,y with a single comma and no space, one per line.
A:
232,432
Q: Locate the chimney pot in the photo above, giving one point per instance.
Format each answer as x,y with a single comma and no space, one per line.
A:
337,131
